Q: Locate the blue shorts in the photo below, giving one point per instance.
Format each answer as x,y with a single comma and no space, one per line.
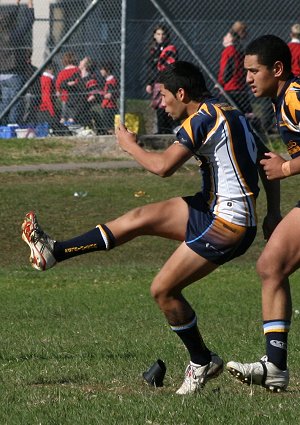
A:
212,237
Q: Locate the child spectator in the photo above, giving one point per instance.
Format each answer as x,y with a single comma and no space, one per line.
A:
47,111
67,80
47,104
89,92
33,93
231,74
109,94
294,46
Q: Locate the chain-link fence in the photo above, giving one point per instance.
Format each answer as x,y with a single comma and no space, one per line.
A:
68,65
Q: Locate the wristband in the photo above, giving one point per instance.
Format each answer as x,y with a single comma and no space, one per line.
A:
286,168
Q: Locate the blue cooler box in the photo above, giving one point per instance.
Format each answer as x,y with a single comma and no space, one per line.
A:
8,131
42,129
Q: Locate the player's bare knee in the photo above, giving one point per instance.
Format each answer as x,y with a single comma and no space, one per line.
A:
267,262
264,269
160,292
270,270
261,266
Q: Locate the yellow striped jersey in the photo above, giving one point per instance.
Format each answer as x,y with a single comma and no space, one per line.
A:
287,110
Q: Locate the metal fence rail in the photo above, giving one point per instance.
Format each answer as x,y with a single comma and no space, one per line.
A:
71,68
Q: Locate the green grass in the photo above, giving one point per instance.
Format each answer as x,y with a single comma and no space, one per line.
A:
75,340
24,151
70,149
50,150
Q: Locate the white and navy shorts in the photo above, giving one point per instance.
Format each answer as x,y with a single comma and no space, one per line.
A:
212,237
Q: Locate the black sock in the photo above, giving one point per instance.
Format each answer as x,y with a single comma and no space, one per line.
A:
192,339
98,239
276,333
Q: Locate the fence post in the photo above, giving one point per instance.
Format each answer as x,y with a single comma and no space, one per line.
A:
123,59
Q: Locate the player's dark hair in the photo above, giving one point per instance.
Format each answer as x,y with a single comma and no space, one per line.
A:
187,76
270,49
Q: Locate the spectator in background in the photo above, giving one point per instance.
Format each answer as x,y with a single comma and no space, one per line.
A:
66,82
47,110
259,111
236,34
294,46
32,96
231,74
109,94
162,54
47,104
12,57
88,92
240,28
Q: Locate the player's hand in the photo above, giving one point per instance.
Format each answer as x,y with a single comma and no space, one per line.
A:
125,138
269,224
272,166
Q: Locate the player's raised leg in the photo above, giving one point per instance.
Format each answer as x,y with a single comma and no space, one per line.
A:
166,219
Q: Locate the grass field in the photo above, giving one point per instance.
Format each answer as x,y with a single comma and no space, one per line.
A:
74,341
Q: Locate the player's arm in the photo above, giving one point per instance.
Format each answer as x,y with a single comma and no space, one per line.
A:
272,190
164,164
276,167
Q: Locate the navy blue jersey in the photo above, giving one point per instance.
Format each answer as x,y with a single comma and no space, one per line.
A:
219,136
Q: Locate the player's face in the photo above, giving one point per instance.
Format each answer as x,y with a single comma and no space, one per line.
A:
172,104
261,80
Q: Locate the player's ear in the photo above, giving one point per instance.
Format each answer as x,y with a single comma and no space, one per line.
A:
181,94
278,69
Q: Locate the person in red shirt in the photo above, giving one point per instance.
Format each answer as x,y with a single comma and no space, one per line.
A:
65,87
294,46
47,108
231,74
47,93
109,95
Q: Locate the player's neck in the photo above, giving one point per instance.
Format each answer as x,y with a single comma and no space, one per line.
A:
193,107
